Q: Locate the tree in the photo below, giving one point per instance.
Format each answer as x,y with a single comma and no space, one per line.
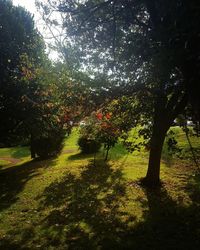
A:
146,48
22,48
29,108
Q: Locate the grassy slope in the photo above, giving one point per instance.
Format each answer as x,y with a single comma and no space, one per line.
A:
67,203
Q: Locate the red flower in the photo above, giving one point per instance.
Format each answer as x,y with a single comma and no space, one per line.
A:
99,116
65,118
108,116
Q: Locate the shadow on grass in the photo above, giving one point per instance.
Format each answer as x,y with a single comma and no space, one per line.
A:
8,245
166,224
87,211
115,153
13,179
80,156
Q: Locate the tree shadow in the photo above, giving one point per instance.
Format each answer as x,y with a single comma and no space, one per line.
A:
80,156
85,210
87,213
9,245
115,153
13,179
167,224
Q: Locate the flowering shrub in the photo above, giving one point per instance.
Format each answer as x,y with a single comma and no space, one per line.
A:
99,128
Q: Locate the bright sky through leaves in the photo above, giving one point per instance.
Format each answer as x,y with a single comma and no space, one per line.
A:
30,6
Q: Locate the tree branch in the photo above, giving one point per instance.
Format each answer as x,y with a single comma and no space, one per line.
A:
180,106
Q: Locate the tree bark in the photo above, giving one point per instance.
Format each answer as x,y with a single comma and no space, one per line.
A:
153,173
163,119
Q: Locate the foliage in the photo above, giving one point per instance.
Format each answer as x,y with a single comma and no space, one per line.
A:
22,54
89,141
88,146
32,105
73,90
100,128
132,112
50,145
42,121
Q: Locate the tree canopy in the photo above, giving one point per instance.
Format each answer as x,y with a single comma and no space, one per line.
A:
22,52
39,99
148,49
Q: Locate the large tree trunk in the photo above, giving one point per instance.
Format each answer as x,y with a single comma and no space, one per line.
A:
153,173
165,113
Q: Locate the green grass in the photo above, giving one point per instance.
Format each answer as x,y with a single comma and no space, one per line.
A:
4,162
15,152
68,203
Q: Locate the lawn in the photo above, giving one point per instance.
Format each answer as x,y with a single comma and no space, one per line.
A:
69,203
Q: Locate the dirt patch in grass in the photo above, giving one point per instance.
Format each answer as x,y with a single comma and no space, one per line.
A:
10,160
68,151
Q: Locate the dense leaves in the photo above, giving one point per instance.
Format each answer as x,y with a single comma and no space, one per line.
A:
22,48
29,110
99,128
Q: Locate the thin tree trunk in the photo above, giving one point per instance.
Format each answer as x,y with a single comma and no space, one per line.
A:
33,154
107,150
94,159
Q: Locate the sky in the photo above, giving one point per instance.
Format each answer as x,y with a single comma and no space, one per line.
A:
30,6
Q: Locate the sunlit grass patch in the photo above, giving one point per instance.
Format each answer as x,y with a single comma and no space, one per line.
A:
15,152
4,162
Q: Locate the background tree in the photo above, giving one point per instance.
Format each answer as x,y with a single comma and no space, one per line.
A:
30,110
21,49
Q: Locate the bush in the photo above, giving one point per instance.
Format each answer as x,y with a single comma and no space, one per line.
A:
88,146
45,147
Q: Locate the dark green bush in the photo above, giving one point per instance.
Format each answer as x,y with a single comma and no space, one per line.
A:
45,147
88,146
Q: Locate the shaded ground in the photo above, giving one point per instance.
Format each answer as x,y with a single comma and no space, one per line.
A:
13,180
